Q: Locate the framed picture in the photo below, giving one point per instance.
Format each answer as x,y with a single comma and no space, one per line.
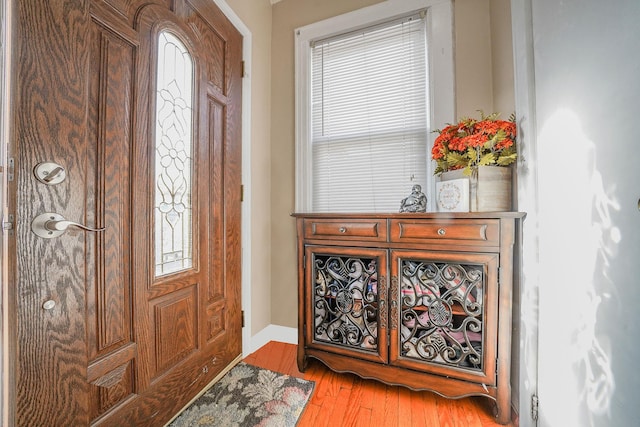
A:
453,195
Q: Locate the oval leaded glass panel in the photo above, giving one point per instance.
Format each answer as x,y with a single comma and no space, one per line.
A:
173,157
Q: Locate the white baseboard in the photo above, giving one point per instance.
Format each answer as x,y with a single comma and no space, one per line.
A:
272,333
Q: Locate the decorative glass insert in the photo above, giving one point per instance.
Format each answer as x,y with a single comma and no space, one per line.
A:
442,313
345,301
174,158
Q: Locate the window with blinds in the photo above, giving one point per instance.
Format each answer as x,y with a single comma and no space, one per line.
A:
369,117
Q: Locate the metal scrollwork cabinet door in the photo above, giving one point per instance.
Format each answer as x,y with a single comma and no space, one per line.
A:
347,299
444,313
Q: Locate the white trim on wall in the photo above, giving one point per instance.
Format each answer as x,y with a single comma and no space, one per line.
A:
6,14
274,333
527,183
246,171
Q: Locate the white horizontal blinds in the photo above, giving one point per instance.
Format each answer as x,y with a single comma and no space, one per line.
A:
369,117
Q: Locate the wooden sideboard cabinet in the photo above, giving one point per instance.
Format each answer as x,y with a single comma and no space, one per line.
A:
416,300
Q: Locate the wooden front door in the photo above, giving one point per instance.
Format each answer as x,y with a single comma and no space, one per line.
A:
136,105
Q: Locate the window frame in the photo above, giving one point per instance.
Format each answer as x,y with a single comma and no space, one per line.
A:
440,45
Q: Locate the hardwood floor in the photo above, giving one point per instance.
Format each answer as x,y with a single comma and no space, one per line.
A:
346,400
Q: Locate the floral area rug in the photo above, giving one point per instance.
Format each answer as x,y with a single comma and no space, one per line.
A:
249,396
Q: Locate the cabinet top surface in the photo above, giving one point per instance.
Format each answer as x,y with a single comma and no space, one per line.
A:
427,215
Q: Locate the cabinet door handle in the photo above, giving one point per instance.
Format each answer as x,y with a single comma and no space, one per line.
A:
441,231
393,296
342,230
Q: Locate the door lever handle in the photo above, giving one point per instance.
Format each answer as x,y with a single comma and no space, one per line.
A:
63,224
49,225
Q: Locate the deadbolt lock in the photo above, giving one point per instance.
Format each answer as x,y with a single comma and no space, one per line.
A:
49,173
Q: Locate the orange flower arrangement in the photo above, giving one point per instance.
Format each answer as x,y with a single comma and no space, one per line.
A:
472,143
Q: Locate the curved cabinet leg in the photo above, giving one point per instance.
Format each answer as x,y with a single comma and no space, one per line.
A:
503,409
302,360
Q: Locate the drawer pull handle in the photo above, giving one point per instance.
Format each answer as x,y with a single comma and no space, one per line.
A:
342,230
441,231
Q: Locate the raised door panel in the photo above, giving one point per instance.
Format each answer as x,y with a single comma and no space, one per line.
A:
125,10
218,38
112,389
212,43
111,346
109,185
175,328
215,125
443,315
346,291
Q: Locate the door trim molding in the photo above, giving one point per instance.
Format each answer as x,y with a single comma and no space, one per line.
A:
5,91
526,349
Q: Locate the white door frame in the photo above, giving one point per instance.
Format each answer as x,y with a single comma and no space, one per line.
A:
525,106
5,42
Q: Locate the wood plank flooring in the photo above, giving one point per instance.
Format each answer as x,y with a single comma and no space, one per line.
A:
346,400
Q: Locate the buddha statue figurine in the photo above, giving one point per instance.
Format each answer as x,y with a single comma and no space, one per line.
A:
415,202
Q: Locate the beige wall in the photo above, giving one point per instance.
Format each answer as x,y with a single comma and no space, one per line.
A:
476,86
502,58
287,16
256,15
484,80
484,58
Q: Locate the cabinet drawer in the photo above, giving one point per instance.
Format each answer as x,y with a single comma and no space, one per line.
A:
353,229
461,232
